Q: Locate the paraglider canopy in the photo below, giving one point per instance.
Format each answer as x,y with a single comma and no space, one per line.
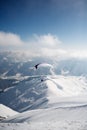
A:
49,69
43,65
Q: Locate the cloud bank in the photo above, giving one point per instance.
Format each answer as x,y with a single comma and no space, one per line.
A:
10,39
39,45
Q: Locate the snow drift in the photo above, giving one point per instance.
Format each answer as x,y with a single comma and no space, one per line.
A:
6,112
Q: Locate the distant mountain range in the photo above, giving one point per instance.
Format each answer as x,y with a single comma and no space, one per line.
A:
12,63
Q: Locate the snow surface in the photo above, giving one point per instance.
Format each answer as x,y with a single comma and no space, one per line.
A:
6,112
30,93
48,98
65,109
64,118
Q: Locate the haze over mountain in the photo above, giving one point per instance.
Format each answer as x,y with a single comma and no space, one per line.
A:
61,90
23,84
43,64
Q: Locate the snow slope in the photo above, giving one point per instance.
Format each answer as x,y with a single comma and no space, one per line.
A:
56,118
6,112
31,93
47,102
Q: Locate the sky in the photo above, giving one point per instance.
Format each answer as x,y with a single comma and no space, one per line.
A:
44,26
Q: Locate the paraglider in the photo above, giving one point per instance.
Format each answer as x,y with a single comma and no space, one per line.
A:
36,66
46,65
43,65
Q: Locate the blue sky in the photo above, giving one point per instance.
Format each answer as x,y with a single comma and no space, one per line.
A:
28,21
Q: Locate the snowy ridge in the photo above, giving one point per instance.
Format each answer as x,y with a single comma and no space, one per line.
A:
31,93
64,86
48,99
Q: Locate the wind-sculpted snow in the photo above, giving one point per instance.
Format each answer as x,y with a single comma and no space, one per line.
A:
56,113
64,118
32,92
49,99
25,94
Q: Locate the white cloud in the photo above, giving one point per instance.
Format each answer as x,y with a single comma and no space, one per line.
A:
39,45
48,40
53,52
78,53
43,45
10,39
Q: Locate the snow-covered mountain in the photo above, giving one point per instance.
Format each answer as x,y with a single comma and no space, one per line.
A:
12,63
47,99
21,87
31,93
